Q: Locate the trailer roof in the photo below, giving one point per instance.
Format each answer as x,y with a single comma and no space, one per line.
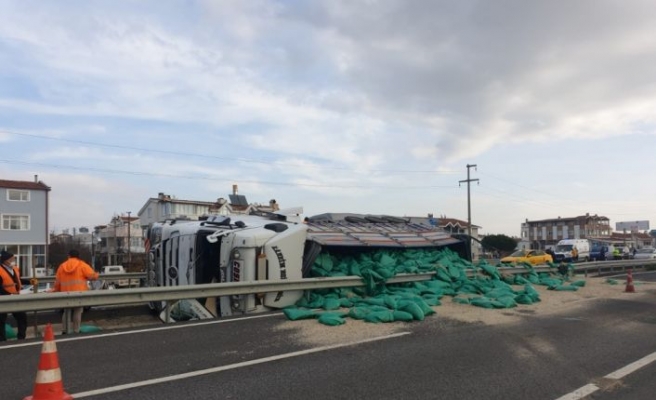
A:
361,232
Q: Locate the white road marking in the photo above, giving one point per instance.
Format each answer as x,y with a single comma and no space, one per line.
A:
60,339
580,392
586,390
622,372
214,370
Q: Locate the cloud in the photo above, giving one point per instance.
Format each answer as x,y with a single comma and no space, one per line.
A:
335,98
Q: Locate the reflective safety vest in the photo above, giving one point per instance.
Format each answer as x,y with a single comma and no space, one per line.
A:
10,283
72,276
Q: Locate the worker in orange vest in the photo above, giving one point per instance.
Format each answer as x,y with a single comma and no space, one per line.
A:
11,284
72,276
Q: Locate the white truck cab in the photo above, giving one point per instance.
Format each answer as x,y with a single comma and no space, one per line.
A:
116,269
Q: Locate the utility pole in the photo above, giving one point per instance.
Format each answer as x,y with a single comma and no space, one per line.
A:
129,224
469,181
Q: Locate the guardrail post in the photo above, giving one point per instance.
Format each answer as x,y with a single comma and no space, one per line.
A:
168,312
67,322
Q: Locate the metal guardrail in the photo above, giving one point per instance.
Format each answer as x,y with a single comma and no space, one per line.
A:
50,301
612,266
108,277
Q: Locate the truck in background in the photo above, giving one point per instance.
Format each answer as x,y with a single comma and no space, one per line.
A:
563,251
118,283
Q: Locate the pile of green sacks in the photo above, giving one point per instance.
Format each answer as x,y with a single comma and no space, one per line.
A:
379,302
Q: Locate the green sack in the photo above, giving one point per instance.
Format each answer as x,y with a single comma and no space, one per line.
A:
425,308
443,275
295,314
390,302
431,300
414,310
359,312
332,319
524,299
402,316
437,284
505,302
9,332
481,302
380,316
324,261
89,329
532,293
563,288
490,270
578,283
331,303
345,303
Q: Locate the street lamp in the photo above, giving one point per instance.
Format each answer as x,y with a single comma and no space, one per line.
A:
129,225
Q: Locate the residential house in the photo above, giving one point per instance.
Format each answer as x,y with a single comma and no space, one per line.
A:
24,222
165,207
542,234
455,227
120,242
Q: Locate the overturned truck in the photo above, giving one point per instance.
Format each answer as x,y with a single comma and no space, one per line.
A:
272,246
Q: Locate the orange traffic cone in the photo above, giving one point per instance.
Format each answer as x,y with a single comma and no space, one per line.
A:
48,384
629,282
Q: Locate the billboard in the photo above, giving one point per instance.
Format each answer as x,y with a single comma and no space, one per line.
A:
632,226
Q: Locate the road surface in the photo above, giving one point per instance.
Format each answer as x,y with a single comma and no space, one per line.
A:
540,357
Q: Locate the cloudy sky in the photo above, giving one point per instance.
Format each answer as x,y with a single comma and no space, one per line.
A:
345,106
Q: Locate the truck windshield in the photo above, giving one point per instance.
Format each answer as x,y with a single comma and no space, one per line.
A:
564,247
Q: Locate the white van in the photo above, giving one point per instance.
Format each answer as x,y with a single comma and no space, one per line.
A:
563,251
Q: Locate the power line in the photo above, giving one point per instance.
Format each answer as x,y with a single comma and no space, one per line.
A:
141,173
513,197
517,184
239,159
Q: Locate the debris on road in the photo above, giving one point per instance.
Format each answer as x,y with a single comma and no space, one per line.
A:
378,301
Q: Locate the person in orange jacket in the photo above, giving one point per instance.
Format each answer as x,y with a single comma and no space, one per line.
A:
10,284
72,276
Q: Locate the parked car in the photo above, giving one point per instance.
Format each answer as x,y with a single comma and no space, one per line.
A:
598,253
646,253
535,257
42,288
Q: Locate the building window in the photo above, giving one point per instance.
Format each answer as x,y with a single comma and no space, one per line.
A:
15,222
18,195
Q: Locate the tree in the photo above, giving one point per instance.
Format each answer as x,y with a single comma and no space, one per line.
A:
501,243
59,248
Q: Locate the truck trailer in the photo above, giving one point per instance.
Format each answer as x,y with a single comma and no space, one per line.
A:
272,246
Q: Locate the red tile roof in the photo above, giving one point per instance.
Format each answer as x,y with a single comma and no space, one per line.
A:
28,185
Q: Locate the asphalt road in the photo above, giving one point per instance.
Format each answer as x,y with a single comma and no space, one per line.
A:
539,358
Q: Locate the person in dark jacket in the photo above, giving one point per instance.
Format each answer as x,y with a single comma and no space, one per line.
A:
10,284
